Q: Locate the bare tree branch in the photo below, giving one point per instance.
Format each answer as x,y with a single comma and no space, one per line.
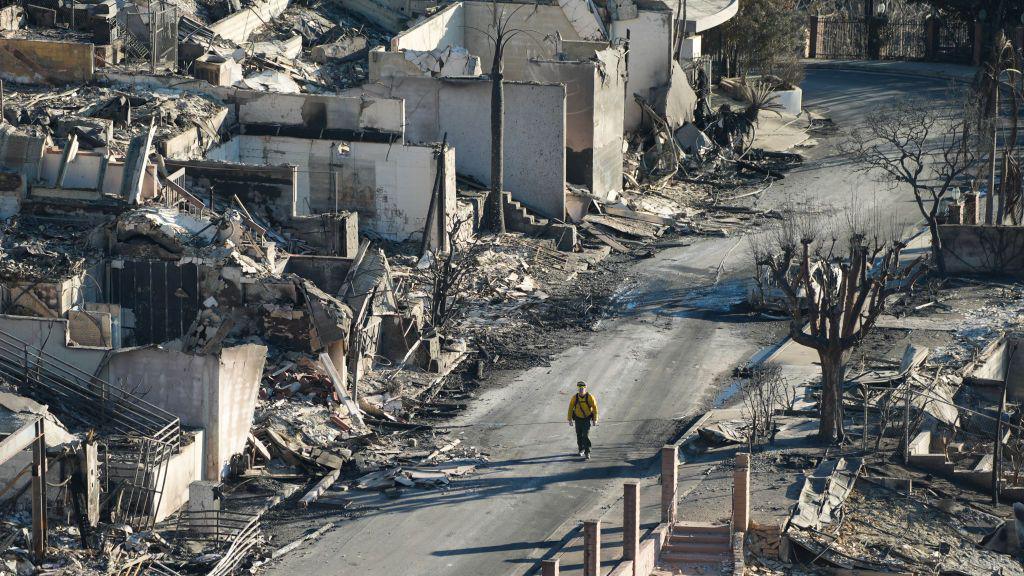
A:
836,285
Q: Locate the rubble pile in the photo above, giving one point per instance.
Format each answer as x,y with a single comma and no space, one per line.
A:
886,533
33,250
334,45
108,117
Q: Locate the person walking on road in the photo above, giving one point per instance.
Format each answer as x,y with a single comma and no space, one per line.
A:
583,413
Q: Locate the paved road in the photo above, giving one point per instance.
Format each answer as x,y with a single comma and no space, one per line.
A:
650,364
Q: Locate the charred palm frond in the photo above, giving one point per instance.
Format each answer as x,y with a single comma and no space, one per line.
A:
762,99
735,129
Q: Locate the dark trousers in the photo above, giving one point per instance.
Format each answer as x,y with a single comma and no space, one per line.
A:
582,426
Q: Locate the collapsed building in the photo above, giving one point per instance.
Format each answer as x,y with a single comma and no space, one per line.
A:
194,199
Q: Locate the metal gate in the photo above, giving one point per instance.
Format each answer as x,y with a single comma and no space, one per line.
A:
153,38
163,37
847,38
904,40
955,41
842,39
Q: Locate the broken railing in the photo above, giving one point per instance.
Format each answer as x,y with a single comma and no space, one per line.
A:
140,438
77,395
237,534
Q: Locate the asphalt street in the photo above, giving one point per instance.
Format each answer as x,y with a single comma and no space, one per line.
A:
653,362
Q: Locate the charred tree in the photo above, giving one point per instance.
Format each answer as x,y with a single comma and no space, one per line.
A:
500,33
836,278
929,148
450,273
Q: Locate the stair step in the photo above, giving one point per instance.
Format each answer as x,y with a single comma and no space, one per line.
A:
699,527
698,547
703,558
701,537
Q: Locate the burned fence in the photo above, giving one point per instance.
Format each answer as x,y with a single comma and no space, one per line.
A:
163,296
151,37
138,437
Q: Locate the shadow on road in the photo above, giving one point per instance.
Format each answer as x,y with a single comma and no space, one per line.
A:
494,479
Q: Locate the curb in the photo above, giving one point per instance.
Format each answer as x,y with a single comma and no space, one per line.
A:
872,69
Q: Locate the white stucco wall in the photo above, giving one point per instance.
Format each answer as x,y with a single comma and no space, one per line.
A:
215,392
51,335
443,29
650,56
390,185
593,118
539,23
84,173
534,132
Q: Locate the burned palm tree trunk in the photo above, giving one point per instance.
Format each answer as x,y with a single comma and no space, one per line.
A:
495,202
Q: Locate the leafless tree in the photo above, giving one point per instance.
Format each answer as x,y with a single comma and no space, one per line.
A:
449,274
930,148
836,276
765,391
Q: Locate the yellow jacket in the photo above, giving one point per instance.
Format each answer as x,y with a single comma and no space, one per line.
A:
585,409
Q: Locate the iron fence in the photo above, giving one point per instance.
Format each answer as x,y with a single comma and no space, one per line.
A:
954,41
140,437
846,38
842,39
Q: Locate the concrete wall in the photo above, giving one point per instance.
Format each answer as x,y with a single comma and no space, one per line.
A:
51,335
10,469
239,26
541,23
327,272
388,185
386,14
1015,368
593,117
443,29
241,369
13,188
1005,363
193,142
85,171
322,113
980,250
216,392
261,188
650,56
183,468
334,234
21,152
45,61
51,299
534,132
94,329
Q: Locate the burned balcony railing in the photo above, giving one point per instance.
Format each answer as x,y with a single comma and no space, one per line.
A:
87,399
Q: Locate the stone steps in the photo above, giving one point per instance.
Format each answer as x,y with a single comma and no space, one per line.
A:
695,548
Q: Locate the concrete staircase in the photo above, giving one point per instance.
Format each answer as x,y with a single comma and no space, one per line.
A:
695,548
518,218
